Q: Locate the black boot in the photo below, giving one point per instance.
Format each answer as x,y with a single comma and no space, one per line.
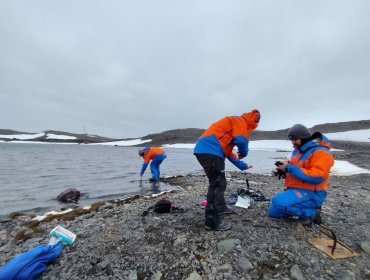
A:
316,219
214,221
226,210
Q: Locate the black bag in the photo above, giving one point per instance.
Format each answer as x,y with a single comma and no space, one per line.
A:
163,206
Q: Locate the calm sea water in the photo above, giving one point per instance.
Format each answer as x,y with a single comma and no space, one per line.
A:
33,175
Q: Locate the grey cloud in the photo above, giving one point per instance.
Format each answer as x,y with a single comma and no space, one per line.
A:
126,69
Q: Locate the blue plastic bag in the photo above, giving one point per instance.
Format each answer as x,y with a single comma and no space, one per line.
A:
30,264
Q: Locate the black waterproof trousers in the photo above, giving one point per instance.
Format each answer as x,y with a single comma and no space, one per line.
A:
214,167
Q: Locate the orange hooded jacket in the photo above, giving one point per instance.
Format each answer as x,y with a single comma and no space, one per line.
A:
151,152
309,166
222,136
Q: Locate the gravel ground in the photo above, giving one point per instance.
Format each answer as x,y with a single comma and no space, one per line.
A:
114,242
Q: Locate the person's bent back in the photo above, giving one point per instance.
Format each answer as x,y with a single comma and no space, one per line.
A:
154,154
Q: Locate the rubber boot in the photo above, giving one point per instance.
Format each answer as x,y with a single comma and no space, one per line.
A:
316,219
226,210
214,221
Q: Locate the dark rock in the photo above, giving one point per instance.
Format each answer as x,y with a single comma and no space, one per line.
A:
95,259
70,195
108,270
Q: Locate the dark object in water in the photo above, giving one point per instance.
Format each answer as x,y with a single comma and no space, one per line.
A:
70,195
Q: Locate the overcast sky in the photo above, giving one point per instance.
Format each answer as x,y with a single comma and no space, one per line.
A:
130,68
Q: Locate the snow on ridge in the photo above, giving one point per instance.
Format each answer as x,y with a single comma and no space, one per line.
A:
123,142
179,146
22,136
353,135
271,145
39,142
37,135
60,137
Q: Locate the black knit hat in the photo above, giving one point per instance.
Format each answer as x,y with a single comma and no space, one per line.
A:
298,131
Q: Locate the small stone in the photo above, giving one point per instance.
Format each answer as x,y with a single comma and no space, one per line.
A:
94,260
194,276
345,204
330,273
108,270
365,246
227,245
300,230
181,239
157,276
243,265
225,267
296,273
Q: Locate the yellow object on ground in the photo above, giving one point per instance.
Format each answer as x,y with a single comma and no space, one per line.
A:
325,245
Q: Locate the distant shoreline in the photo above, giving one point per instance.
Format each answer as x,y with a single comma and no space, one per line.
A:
188,135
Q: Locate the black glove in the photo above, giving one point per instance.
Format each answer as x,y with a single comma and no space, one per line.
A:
279,173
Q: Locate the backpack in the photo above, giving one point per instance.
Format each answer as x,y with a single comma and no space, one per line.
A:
161,206
164,206
30,264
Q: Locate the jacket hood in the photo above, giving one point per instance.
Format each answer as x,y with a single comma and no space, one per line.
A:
317,139
252,118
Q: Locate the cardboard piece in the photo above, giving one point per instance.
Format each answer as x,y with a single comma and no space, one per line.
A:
325,245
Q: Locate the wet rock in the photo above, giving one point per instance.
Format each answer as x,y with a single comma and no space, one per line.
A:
71,195
5,219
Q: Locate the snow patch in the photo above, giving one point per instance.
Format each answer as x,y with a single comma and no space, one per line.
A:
353,135
124,142
179,146
60,137
22,136
40,218
345,168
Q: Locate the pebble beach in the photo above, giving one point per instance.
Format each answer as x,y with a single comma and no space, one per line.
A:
114,242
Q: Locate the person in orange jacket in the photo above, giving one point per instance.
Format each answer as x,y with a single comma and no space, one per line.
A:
154,154
307,177
211,149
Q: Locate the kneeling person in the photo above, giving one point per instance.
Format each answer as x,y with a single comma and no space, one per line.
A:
307,177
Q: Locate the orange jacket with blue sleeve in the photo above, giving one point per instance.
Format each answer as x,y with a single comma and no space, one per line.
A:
152,153
222,136
309,166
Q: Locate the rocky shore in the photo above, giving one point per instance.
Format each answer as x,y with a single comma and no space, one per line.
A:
113,242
